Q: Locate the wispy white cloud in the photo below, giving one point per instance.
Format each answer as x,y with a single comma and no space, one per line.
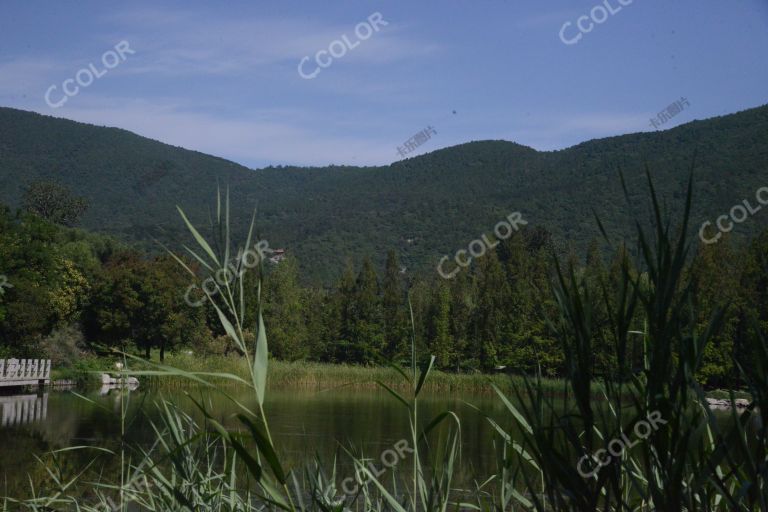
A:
27,75
172,47
175,47
553,18
194,43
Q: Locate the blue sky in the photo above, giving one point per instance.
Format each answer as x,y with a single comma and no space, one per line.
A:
222,77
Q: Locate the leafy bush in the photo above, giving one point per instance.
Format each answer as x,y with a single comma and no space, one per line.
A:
64,346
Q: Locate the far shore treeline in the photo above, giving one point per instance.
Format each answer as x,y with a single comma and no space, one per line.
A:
71,294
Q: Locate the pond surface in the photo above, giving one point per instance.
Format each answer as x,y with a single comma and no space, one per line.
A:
304,424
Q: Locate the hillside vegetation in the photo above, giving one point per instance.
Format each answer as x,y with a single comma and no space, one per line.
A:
422,207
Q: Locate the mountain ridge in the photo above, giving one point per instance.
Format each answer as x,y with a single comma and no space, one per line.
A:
423,207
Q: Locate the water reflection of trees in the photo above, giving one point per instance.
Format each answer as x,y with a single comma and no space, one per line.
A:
306,424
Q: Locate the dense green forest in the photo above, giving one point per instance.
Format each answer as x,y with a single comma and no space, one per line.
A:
423,207
69,293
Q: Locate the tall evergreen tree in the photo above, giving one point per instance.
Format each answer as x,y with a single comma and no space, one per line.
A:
595,278
753,306
340,322
368,338
490,317
715,274
420,297
463,303
284,313
394,317
318,308
440,342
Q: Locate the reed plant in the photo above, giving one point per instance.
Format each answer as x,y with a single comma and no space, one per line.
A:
570,445
315,376
693,460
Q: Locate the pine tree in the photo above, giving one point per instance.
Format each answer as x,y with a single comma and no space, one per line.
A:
595,278
340,321
753,303
715,274
440,342
284,314
513,254
621,264
420,297
368,339
318,308
463,303
489,319
395,326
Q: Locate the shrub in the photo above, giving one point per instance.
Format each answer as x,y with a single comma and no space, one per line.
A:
64,346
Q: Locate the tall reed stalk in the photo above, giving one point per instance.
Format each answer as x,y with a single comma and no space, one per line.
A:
692,461
548,447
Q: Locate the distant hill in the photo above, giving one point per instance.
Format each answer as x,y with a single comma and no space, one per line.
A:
423,207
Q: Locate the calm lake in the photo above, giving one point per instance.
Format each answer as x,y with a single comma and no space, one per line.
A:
304,423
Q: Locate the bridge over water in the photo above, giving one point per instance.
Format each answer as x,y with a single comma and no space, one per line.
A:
25,372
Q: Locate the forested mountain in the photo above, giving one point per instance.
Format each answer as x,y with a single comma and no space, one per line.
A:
422,207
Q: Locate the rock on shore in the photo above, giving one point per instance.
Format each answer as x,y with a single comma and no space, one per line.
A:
724,404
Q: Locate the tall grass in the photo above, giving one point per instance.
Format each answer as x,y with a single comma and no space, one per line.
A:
547,445
692,462
326,376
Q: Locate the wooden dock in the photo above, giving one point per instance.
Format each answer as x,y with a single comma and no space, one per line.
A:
25,372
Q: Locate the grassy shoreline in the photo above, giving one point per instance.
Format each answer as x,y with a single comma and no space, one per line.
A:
298,375
316,376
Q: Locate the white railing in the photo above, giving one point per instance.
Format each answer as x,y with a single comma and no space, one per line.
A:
22,372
